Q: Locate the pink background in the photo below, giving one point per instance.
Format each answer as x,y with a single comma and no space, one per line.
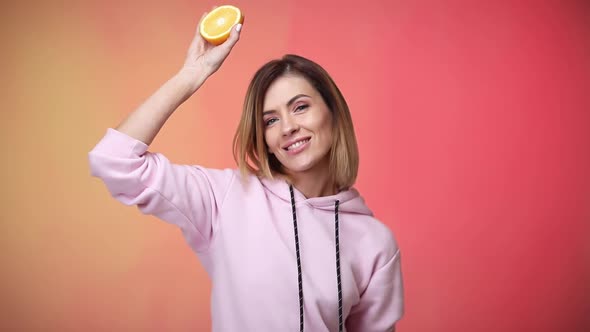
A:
473,120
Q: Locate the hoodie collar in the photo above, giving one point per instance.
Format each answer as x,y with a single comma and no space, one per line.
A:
350,200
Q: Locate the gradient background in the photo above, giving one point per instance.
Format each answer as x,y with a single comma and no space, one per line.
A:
473,120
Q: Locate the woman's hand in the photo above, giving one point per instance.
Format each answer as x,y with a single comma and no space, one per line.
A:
203,59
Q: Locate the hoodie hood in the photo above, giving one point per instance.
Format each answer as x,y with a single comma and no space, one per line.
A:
350,200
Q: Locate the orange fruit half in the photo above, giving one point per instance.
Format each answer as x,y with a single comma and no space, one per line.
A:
216,25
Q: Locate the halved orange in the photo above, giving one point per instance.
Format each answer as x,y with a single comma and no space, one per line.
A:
216,26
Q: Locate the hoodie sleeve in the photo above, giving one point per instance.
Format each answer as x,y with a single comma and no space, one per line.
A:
382,302
187,196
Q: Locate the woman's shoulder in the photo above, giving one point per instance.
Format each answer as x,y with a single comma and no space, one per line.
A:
377,235
233,176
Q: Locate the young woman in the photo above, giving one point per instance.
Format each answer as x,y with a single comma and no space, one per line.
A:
288,242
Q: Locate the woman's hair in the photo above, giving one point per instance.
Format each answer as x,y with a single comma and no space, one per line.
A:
249,146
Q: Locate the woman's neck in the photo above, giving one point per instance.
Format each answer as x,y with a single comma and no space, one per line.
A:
316,182
311,189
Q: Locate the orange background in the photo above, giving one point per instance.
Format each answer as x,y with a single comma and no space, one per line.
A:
473,120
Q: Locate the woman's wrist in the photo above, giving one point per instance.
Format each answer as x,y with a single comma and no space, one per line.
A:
190,79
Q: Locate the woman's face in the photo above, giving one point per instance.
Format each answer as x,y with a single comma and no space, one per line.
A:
298,125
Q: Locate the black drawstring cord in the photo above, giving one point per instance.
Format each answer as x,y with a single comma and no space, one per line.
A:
340,323
298,260
299,278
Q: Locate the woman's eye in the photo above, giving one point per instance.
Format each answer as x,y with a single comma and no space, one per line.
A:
270,121
300,107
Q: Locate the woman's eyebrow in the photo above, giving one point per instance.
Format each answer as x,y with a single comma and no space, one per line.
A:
291,101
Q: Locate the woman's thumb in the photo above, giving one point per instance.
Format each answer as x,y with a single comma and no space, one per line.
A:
234,35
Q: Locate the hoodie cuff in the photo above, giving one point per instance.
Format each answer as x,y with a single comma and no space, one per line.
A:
117,144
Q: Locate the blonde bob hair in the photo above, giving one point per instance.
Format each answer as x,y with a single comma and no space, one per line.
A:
249,146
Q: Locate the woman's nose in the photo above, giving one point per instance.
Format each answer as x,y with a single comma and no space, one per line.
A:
289,126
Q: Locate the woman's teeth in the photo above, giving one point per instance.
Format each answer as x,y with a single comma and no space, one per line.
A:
298,144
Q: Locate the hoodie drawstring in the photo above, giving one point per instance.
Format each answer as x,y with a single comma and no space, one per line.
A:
299,278
337,236
298,260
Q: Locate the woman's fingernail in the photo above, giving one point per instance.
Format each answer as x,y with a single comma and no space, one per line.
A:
239,27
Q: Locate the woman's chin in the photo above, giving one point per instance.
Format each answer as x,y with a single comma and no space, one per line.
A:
298,168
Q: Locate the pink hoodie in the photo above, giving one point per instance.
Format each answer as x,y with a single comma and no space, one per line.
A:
244,235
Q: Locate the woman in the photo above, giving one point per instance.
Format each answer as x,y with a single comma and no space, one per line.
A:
287,241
